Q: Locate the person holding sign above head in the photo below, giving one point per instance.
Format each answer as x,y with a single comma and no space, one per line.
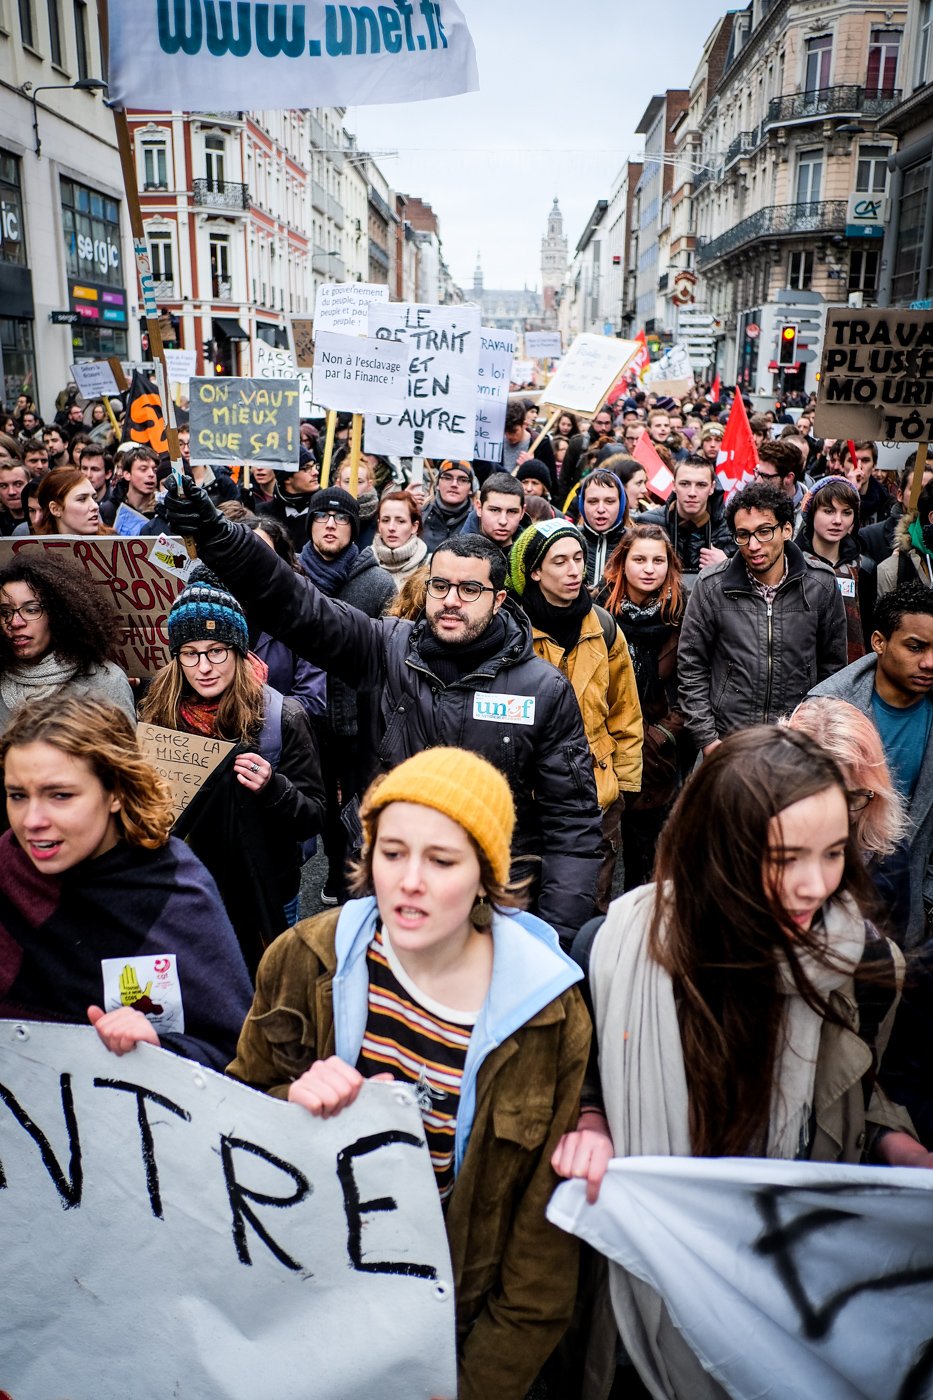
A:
103,914
69,505
434,977
249,820
465,672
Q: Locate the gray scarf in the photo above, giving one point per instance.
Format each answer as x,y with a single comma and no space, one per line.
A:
403,560
21,683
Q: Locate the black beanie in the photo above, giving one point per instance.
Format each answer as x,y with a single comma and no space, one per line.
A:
335,498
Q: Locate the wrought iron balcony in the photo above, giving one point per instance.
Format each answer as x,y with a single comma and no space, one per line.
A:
775,221
378,255
740,146
845,100
220,194
701,177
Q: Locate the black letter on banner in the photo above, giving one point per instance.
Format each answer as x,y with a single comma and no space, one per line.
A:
70,1191
145,1132
238,1196
356,1209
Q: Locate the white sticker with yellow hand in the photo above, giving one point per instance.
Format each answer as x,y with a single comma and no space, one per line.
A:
148,984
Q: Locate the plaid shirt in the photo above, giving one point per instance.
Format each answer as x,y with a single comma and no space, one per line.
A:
767,590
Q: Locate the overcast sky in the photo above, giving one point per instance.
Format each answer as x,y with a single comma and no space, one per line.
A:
562,88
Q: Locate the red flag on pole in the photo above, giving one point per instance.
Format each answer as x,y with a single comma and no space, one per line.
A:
660,477
738,455
715,389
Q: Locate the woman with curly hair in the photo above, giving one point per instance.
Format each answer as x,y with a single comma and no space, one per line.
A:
56,633
103,914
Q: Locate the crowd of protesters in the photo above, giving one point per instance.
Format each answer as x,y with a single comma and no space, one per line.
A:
580,757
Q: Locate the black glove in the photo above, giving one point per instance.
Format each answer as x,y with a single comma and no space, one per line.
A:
190,511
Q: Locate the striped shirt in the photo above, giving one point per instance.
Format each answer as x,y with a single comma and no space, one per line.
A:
419,1041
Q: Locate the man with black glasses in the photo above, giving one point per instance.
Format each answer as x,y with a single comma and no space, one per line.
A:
761,629
464,673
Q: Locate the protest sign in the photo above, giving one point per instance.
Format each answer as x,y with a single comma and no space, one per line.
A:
222,1243
185,761
588,371
343,307
136,587
128,521
827,1269
270,362
359,374
196,56
543,345
94,379
671,374
166,555
302,335
876,380
523,372
493,378
181,365
250,421
439,414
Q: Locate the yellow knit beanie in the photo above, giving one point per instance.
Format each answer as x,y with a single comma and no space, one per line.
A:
461,785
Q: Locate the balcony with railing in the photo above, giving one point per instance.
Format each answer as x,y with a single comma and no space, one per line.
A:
319,197
318,136
164,290
226,195
775,221
379,204
378,255
740,145
335,210
845,100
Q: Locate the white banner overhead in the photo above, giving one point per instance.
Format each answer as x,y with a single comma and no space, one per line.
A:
588,371
786,1279
359,374
167,1231
212,55
343,307
497,349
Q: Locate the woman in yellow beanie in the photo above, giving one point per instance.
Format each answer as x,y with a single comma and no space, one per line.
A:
435,977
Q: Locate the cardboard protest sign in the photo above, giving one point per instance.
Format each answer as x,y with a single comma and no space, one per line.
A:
493,378
827,1269
250,421
302,336
359,374
137,587
185,761
543,345
95,379
208,1240
876,379
588,371
343,307
438,416
671,373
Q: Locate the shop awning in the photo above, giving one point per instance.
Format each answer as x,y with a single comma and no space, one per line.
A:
226,328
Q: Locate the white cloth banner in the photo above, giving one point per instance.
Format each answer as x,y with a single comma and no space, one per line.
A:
167,1231
673,365
497,349
543,345
787,1279
359,374
343,307
439,414
213,55
588,371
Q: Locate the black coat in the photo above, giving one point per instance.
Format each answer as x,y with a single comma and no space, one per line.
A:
547,761
687,538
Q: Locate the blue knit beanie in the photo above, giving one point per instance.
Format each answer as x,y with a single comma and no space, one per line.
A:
206,612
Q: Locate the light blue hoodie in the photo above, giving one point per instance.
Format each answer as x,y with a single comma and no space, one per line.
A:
529,970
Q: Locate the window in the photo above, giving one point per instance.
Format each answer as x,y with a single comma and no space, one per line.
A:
809,176
800,271
81,38
12,233
214,149
155,164
819,62
883,49
27,26
863,270
55,33
91,223
908,253
17,357
924,37
220,265
872,172
160,256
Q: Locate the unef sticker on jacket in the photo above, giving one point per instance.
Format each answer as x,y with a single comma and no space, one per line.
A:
504,709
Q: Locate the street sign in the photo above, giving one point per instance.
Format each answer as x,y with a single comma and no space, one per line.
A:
752,331
64,318
799,298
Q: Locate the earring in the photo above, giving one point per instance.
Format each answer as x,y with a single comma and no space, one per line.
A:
481,913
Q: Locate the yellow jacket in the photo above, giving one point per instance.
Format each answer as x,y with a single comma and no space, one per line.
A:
604,684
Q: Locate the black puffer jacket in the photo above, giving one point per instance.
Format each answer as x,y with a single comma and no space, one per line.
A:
546,761
688,539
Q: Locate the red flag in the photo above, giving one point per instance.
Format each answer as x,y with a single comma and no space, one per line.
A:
738,455
642,360
715,390
660,477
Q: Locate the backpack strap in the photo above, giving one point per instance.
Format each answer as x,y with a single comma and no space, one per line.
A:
270,736
609,625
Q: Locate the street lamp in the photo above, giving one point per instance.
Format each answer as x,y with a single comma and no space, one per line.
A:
82,85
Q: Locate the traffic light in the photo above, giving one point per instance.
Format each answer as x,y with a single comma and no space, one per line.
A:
787,350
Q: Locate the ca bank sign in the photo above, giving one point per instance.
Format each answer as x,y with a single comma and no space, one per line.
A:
866,216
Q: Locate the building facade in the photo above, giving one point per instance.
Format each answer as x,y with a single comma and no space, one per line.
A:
907,258
519,309
654,189
553,265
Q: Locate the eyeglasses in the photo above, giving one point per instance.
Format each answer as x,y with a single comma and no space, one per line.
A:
763,534
339,517
460,477
27,611
765,476
467,592
215,655
859,798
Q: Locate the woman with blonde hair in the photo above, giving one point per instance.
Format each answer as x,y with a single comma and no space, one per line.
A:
104,915
69,505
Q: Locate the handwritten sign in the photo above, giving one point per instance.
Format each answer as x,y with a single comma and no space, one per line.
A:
494,375
270,362
186,761
359,374
344,307
543,345
94,379
876,380
523,373
137,588
671,374
251,421
302,328
214,1241
439,414
181,365
588,371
